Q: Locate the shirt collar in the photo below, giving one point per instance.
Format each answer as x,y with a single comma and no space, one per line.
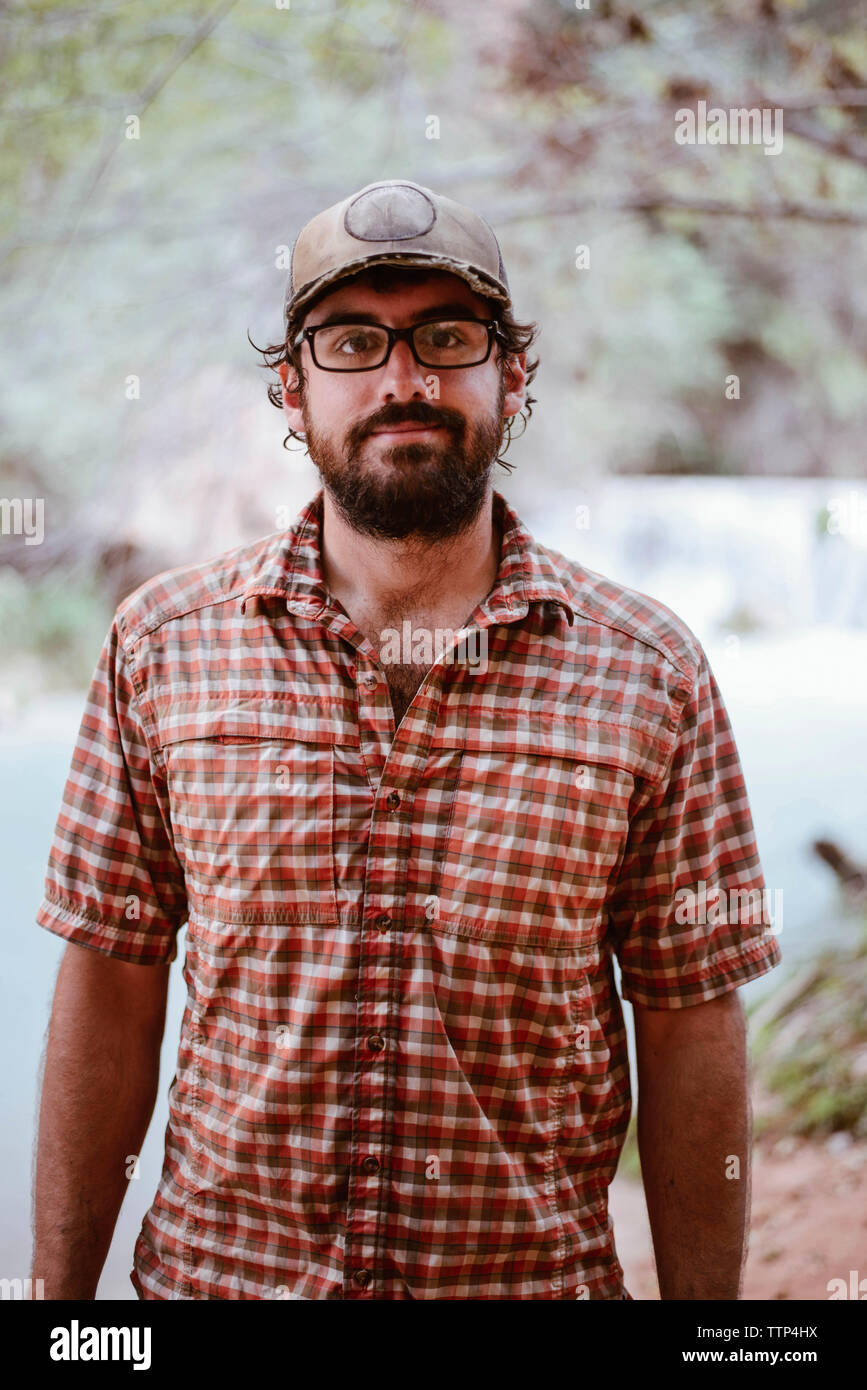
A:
293,570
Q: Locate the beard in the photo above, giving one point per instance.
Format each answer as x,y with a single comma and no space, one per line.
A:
429,490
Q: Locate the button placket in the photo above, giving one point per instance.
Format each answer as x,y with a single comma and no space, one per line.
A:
379,995
364,1181
375,719
380,987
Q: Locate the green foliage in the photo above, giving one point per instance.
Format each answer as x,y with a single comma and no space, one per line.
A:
629,1165
811,1052
63,625
152,257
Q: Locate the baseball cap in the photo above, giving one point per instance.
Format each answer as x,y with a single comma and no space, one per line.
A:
394,222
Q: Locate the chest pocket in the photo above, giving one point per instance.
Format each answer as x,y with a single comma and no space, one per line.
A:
251,790
539,823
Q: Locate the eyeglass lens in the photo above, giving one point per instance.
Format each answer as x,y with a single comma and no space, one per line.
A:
446,343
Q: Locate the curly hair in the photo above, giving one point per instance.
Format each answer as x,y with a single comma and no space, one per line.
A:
513,338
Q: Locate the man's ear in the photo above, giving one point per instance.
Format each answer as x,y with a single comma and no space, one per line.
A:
515,380
291,396
289,377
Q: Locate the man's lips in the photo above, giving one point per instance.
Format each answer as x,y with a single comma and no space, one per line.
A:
407,429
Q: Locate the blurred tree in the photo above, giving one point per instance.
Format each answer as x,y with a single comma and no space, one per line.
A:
702,306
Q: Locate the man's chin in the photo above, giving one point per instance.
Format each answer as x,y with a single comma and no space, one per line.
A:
425,489
403,507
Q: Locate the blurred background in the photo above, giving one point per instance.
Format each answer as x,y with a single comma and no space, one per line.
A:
699,432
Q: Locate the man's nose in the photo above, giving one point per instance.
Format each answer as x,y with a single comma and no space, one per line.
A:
401,377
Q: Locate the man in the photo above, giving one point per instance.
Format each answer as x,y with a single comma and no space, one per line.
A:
403,1070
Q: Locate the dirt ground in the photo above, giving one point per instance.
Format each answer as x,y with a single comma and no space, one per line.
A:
809,1222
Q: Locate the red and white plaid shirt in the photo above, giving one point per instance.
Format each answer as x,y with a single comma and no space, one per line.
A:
403,1070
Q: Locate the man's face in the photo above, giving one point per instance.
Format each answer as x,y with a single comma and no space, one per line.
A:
401,454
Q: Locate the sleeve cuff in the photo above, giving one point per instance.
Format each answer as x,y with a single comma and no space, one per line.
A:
719,974
77,925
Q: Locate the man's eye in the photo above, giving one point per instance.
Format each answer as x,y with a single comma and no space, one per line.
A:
353,343
444,337
447,336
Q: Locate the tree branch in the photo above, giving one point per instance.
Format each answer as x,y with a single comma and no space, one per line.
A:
834,141
111,139
714,207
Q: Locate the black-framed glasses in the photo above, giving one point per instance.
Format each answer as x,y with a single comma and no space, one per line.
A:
443,344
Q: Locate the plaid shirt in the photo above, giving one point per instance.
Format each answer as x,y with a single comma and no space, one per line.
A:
403,1070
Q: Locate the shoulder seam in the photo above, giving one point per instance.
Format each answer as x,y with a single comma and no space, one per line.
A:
167,615
639,632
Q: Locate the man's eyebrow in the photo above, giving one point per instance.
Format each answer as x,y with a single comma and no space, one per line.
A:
454,310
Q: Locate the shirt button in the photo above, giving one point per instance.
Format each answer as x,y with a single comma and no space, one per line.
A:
362,1278
376,1042
370,680
383,921
371,1164
392,801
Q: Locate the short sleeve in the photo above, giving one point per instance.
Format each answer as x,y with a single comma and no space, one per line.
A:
690,915
113,881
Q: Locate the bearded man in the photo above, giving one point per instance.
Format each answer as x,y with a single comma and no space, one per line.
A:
405,872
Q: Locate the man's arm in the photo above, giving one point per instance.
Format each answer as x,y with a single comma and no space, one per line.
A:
99,1087
693,1121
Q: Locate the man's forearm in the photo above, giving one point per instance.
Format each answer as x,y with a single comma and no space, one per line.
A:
694,1133
99,1087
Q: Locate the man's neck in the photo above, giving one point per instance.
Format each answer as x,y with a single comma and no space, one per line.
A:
412,575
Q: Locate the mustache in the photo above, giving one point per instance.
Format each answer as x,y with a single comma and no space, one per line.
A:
418,413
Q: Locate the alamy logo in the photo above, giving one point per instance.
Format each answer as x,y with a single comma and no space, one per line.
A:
742,125
75,1343
22,1289
847,516
706,906
856,1288
23,516
464,647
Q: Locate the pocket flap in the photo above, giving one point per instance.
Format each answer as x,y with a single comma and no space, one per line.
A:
559,732
247,719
